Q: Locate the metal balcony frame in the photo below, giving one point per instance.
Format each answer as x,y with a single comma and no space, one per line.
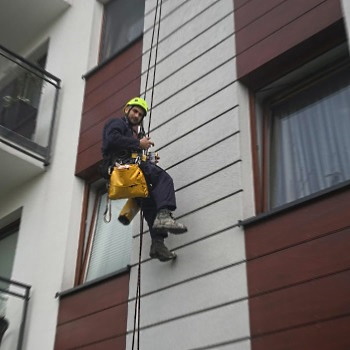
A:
25,297
49,78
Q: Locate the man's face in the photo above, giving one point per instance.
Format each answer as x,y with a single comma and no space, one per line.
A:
135,114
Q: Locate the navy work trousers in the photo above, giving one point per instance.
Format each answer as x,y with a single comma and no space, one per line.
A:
162,195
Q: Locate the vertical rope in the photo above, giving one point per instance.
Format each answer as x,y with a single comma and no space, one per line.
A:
150,52
139,284
155,67
137,309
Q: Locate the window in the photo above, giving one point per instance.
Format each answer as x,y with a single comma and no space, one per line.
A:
107,246
8,243
123,24
304,144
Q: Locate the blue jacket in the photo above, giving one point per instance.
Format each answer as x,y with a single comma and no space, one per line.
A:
119,138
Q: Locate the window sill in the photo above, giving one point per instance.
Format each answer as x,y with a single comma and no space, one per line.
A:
295,204
92,283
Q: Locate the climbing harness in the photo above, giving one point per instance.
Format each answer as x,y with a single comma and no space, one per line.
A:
137,310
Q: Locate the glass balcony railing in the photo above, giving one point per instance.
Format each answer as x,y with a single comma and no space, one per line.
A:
28,101
14,299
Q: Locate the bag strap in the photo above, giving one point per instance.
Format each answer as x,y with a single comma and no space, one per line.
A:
107,215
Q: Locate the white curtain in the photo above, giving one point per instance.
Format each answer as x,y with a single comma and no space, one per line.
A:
310,148
111,245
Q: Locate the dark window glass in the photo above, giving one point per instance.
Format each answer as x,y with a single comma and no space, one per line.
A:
123,24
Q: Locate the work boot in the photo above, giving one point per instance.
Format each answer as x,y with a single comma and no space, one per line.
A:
160,251
164,221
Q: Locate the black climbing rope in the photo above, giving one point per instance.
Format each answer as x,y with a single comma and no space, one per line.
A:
155,67
137,309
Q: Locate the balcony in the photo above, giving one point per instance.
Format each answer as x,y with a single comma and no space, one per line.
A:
14,299
28,100
22,21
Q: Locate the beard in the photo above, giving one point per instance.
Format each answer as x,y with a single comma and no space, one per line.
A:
134,120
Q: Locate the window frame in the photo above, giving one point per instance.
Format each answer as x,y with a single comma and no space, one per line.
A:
261,134
93,192
10,228
85,242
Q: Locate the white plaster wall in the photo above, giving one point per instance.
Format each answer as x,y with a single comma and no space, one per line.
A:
200,299
346,13
248,204
51,202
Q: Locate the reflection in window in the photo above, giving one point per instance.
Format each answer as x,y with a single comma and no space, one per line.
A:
123,24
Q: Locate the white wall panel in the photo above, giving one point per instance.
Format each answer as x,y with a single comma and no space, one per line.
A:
203,14
188,120
174,58
195,125
198,330
197,140
212,188
198,68
188,11
195,259
240,345
346,12
206,162
200,224
191,297
165,102
194,69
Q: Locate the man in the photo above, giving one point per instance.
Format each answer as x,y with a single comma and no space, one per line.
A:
120,140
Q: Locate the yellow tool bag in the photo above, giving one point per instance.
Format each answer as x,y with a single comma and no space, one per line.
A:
127,181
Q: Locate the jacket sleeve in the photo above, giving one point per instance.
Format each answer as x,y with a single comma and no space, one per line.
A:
117,137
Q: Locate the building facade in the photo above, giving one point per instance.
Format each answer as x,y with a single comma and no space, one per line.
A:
250,115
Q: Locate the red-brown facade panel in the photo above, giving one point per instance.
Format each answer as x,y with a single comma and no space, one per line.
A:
94,318
299,225
298,266
298,274
106,92
314,301
301,262
328,335
271,35
248,11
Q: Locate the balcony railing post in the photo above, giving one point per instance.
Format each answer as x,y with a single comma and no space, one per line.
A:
24,317
25,296
48,152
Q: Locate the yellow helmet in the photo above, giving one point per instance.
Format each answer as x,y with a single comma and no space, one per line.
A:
138,101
